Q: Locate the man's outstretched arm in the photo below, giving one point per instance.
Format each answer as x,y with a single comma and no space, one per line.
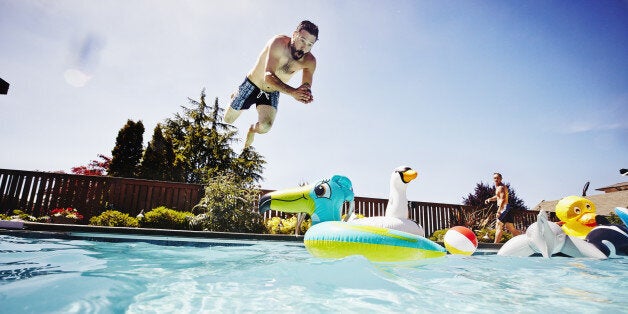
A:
308,76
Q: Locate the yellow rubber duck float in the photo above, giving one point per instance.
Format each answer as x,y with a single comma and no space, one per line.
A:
577,214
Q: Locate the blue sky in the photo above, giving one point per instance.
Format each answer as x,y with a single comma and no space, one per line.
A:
537,90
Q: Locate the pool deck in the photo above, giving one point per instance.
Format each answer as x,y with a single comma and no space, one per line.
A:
67,228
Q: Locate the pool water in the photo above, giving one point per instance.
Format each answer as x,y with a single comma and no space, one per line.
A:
118,274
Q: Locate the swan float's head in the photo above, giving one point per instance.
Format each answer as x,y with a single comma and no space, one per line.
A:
402,176
322,201
398,201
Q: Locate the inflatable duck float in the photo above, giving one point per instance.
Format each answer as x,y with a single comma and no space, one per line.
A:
548,238
578,237
577,214
331,238
396,216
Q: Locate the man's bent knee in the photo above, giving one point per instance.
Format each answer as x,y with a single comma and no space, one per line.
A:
231,115
264,127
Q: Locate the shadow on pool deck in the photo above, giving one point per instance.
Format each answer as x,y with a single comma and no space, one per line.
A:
490,248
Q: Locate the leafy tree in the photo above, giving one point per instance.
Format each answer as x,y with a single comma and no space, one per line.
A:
202,145
158,160
128,150
94,168
229,205
483,191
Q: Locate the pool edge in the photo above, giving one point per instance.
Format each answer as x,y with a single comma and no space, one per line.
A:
36,226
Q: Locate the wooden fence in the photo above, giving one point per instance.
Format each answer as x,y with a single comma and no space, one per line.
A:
37,193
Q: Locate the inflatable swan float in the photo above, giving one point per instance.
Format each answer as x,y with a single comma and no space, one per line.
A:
396,216
323,202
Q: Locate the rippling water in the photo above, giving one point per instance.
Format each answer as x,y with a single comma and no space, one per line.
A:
65,276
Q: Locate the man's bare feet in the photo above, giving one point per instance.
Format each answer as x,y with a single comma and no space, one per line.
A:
249,137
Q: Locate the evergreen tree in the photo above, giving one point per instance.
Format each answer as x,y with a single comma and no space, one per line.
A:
221,136
249,165
127,153
158,160
202,144
483,191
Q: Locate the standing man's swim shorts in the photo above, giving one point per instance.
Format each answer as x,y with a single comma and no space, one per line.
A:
506,216
249,94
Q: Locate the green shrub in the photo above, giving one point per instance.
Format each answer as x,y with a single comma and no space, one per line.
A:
438,235
166,218
18,214
486,235
229,205
357,216
276,225
273,225
614,219
114,218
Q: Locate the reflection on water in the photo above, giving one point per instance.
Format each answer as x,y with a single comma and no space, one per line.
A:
23,258
25,270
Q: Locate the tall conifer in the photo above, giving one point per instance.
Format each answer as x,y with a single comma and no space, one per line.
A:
127,153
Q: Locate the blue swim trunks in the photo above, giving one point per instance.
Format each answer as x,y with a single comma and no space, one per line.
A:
249,94
506,216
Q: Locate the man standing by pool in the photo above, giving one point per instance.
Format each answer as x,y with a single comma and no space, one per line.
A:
280,59
504,214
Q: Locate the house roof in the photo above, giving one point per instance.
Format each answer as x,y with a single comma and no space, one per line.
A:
604,203
615,187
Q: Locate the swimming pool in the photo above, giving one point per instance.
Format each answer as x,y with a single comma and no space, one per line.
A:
134,274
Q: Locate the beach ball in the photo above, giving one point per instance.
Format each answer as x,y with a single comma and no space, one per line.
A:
460,240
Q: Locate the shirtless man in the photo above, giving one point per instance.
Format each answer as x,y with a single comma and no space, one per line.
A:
504,214
280,59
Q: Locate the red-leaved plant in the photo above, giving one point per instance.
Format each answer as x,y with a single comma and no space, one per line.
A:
69,212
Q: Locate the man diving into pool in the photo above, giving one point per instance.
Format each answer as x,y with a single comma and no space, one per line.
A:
280,59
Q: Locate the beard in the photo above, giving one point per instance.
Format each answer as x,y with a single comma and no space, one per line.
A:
296,54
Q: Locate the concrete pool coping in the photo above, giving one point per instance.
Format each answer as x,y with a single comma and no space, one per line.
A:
64,228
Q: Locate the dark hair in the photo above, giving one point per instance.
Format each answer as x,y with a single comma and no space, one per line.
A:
498,174
308,27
